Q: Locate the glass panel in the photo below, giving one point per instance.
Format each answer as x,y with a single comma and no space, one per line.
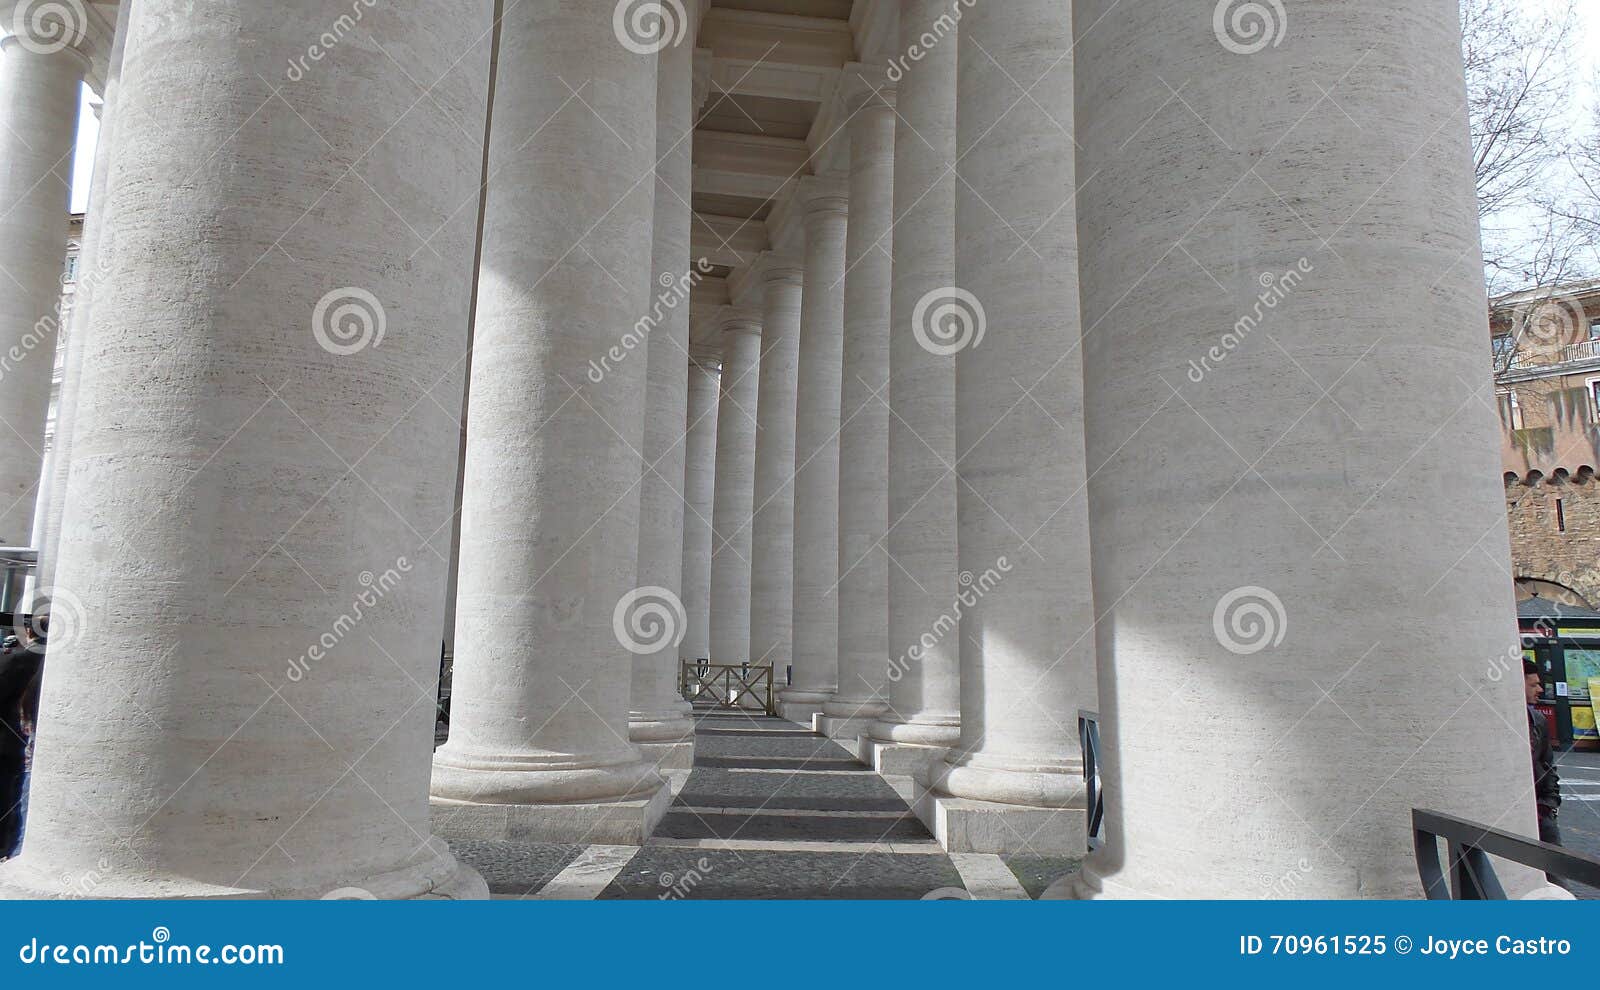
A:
1582,665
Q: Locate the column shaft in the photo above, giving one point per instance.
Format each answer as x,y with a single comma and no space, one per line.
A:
816,472
924,622
243,637
96,262
546,619
772,547
658,715
863,591
40,79
1271,701
735,492
1027,635
699,491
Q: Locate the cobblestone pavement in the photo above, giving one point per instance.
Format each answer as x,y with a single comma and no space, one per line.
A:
770,811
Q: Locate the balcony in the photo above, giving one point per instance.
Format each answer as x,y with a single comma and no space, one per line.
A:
1527,358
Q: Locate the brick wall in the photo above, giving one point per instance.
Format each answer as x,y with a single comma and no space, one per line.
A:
1538,547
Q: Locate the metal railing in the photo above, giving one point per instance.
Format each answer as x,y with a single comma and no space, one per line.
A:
726,686
1467,873
16,565
1512,358
1094,796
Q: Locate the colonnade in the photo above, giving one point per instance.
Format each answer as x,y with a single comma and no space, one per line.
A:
939,462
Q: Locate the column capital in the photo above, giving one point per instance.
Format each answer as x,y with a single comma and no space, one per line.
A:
737,319
866,86
46,46
824,194
46,29
774,268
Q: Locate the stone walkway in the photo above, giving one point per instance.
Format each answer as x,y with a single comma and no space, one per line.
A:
771,811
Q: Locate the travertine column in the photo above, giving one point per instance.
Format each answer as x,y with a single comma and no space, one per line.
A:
924,594
546,619
41,68
658,715
1281,621
772,546
816,473
699,493
96,262
239,701
735,486
863,581
1027,644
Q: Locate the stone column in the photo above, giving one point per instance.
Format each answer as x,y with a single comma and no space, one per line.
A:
924,624
549,613
96,261
1299,642
699,492
816,472
1014,781
658,716
41,69
772,546
735,480
863,581
239,694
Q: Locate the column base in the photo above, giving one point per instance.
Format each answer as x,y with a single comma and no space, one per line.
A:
800,705
434,875
897,759
966,825
618,822
844,731
668,756
666,742
935,731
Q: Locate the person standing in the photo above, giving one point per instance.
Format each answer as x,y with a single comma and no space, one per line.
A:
1546,782
21,670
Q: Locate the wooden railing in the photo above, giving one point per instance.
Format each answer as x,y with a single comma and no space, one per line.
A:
726,686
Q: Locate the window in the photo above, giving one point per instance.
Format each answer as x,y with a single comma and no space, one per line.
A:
1561,516
1514,408
1594,329
1594,394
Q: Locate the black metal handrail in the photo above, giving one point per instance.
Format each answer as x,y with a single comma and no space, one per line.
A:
1089,738
1467,873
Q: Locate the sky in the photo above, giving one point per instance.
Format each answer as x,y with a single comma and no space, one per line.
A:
1587,94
